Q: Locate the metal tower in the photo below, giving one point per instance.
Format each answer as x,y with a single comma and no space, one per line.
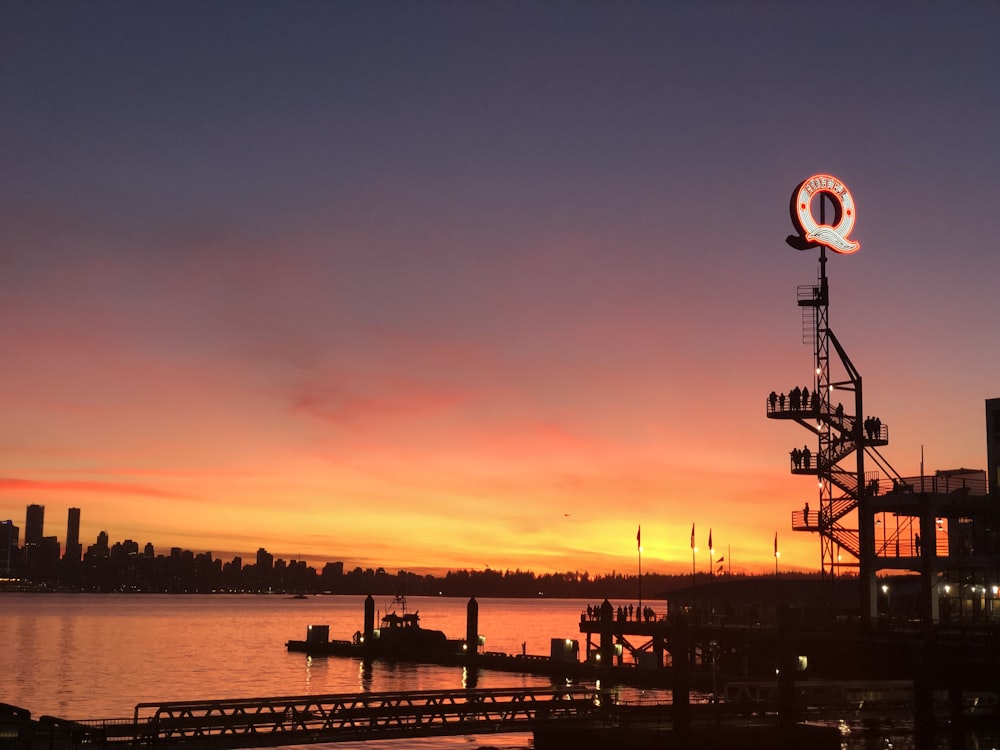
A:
843,519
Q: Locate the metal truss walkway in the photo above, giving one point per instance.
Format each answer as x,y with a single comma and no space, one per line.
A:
270,722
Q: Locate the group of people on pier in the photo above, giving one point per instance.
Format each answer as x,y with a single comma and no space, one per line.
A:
629,613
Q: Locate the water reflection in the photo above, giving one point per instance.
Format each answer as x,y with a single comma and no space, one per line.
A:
365,675
470,677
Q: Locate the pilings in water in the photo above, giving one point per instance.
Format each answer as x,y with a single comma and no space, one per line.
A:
607,649
369,625
787,665
680,651
472,627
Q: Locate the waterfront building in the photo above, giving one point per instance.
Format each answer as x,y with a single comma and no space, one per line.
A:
993,445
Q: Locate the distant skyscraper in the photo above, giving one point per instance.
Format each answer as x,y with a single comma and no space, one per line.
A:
99,550
73,549
9,538
34,525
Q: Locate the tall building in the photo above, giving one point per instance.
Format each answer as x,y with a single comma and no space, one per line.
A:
74,550
993,444
9,544
34,524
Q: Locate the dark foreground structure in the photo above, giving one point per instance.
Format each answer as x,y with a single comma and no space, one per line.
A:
559,717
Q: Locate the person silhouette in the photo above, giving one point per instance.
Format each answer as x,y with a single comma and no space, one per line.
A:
805,514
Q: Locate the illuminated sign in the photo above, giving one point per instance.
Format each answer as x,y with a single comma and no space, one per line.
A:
834,236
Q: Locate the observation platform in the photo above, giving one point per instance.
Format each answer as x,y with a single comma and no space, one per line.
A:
872,431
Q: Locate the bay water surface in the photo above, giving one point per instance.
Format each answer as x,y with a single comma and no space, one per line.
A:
95,656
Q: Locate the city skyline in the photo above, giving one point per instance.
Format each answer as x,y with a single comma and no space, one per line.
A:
33,533
448,286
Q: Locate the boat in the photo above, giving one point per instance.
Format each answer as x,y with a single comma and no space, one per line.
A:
399,636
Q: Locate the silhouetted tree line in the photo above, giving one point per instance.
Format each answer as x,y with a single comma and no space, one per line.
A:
123,568
523,584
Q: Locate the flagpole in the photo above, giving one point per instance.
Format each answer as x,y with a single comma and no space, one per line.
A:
638,543
694,580
776,553
711,557
711,575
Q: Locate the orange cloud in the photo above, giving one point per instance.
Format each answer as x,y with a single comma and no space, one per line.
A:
9,484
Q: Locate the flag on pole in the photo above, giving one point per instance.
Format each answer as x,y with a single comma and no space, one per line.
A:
775,543
692,536
638,538
710,540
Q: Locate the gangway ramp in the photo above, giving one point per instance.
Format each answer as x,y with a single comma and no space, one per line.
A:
294,720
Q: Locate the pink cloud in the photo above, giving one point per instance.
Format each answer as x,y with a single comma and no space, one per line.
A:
352,401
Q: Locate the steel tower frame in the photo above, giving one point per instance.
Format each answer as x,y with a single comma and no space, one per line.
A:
839,435
843,490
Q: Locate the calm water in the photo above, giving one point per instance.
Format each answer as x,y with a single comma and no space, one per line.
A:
96,656
84,656
80,656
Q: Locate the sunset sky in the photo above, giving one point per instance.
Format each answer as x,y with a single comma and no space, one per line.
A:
440,285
